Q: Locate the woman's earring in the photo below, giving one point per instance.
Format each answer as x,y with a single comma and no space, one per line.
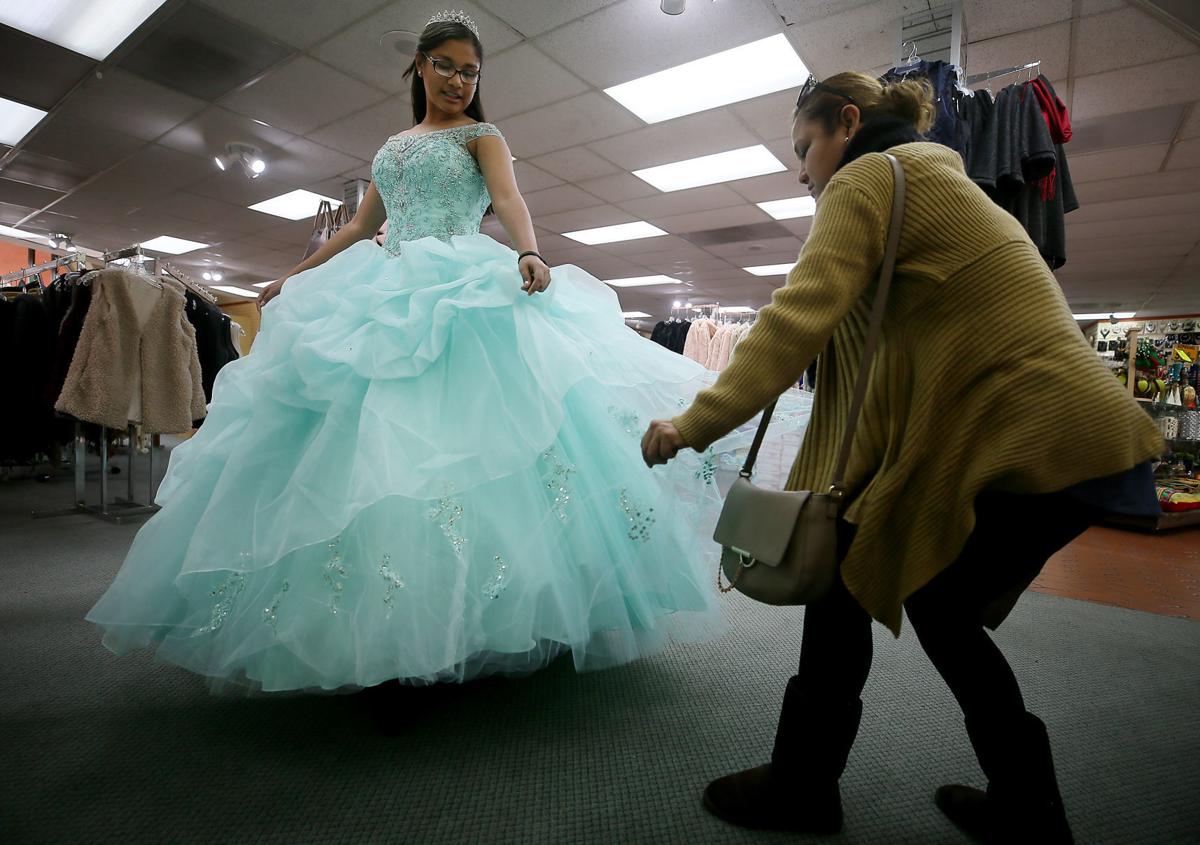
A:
846,140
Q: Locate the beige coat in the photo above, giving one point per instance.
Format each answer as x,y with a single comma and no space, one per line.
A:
136,360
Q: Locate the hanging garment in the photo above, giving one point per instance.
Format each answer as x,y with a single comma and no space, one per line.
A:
136,342
236,333
213,345
943,79
423,473
699,341
678,336
26,347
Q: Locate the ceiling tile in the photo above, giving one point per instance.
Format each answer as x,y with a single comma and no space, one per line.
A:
523,79
300,23
187,205
569,123
301,95
1095,7
857,38
773,186
1123,38
1191,125
36,72
357,52
301,161
755,253
619,187
1136,88
31,196
682,202
45,171
362,134
575,164
675,140
988,19
1123,209
530,178
105,146
700,221
1130,187
631,39
1130,229
1185,154
532,19
644,246
236,189
207,134
561,198
134,105
1127,161
591,218
1125,130
137,182
770,117
1050,44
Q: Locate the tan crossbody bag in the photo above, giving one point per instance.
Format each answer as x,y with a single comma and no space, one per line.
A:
781,547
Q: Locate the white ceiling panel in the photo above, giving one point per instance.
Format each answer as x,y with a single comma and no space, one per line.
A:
859,38
1185,226
300,23
187,205
235,188
798,226
1125,38
769,117
362,134
1111,164
207,134
773,186
753,253
357,52
1191,125
700,221
1095,7
569,123
530,178
1136,88
301,95
671,244
575,164
523,79
1182,204
619,187
675,140
138,107
561,198
682,202
138,181
302,161
1185,155
589,218
632,38
104,145
1051,44
988,19
1130,187
532,19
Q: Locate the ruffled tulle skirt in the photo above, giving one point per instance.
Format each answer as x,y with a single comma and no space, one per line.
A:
422,473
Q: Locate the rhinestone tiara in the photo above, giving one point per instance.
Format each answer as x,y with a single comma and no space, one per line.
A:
454,16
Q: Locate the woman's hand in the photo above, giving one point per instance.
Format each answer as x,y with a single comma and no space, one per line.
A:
661,442
535,275
271,291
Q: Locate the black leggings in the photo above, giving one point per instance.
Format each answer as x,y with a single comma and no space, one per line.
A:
1013,538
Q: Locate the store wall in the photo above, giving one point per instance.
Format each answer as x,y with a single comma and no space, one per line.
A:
16,256
245,314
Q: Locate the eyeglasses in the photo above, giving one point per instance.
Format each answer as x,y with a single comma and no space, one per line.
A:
446,68
812,84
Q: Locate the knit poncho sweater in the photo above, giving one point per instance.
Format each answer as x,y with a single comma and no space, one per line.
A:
983,381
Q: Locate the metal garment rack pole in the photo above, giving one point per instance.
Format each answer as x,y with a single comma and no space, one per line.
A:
993,74
127,507
37,269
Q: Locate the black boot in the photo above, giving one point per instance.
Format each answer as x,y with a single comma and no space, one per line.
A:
798,790
1022,802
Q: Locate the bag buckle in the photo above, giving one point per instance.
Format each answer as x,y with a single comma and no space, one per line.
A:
743,556
837,493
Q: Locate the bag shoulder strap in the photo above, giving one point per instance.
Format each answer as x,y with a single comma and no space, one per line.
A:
886,271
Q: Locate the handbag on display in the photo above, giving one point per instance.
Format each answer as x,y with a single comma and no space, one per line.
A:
325,225
781,547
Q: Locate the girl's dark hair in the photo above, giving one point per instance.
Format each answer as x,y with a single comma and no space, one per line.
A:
433,37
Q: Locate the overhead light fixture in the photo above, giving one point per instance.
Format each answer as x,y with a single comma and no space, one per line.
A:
641,281
92,27
264,284
294,205
246,156
10,232
212,276
172,245
738,309
634,315
400,42
1120,315
236,291
612,234
711,169
62,241
731,76
771,269
677,304
17,119
790,208
673,7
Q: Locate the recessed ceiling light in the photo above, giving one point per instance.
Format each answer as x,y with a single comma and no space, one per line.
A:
771,269
263,284
790,208
16,119
171,245
738,309
711,169
612,234
92,27
752,70
634,315
1120,315
235,291
641,281
19,233
295,205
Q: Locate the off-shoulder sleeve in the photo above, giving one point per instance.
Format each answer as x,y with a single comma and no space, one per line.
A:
478,130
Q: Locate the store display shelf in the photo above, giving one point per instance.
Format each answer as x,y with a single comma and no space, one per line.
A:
1165,522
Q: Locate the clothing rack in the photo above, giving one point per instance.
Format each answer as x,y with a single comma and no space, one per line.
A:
187,281
976,78
37,269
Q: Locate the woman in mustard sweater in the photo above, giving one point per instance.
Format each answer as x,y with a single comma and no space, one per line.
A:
967,473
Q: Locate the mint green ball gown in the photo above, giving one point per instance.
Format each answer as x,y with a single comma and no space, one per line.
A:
421,473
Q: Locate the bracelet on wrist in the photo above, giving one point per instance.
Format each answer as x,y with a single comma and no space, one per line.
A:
533,253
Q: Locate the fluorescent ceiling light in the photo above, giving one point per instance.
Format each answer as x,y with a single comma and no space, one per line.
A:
92,27
771,269
790,208
612,234
295,205
738,309
641,281
235,291
19,233
1120,315
711,169
263,284
16,119
634,315
172,246
752,70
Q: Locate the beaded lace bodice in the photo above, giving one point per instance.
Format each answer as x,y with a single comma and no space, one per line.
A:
431,185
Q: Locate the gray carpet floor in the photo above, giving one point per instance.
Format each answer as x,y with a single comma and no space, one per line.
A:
101,749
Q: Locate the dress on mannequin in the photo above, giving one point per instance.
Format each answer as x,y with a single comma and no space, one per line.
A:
422,473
